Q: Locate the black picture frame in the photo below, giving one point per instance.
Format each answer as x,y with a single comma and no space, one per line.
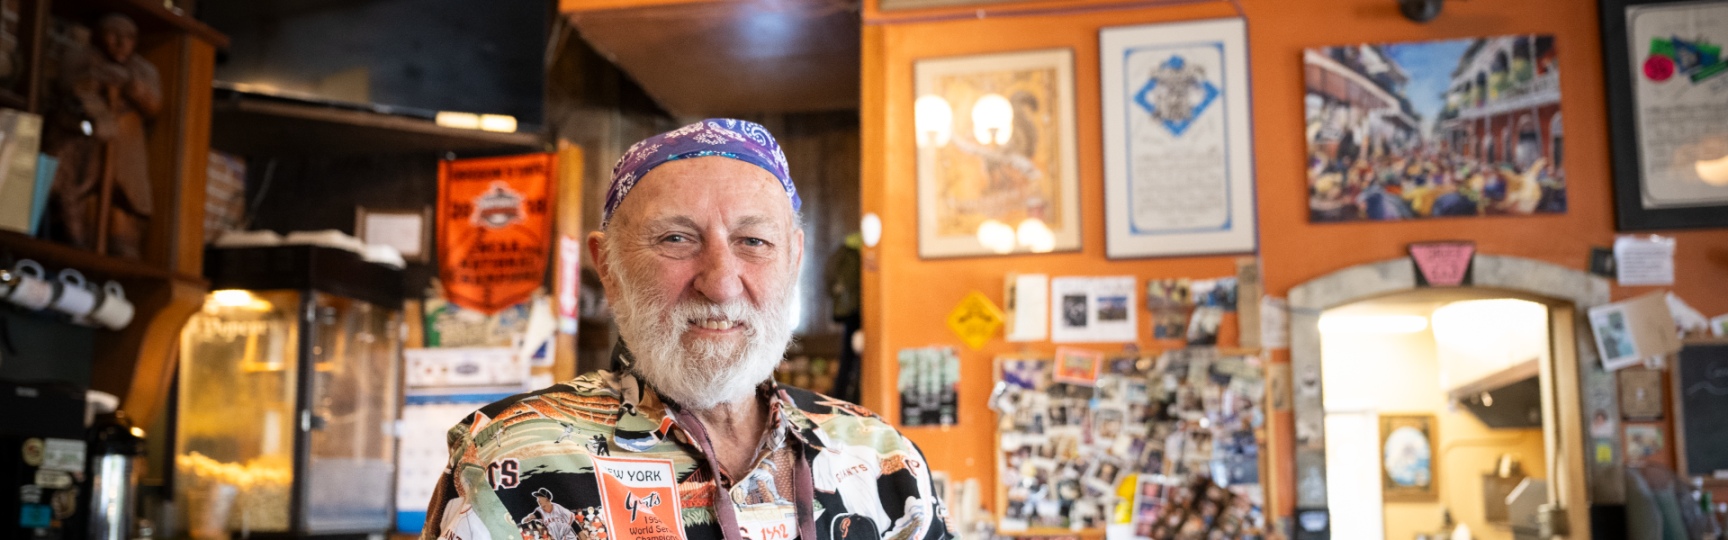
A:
1627,169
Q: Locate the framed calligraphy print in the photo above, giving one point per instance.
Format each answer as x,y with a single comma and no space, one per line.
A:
1178,157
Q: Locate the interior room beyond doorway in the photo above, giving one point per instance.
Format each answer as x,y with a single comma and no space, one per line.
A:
1433,413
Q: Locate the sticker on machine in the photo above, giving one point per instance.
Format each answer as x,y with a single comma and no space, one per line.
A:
63,455
640,497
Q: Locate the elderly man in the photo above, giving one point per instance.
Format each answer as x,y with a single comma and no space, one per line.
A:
699,251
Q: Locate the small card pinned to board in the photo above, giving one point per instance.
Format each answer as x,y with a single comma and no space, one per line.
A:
1630,331
1443,264
1641,394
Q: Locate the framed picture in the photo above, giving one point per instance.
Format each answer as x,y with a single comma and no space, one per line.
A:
1616,343
997,172
20,52
1667,111
1178,156
407,230
1433,129
1407,457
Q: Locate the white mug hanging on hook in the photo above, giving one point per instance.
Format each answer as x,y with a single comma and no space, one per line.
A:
30,286
115,311
77,296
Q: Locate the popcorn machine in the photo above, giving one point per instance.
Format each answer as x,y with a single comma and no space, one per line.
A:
288,394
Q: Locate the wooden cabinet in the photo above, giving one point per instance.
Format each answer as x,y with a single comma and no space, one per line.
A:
137,362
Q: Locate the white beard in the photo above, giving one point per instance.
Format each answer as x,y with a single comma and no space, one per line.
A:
702,374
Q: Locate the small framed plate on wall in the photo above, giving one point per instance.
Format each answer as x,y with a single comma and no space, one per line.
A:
407,230
1407,458
1667,111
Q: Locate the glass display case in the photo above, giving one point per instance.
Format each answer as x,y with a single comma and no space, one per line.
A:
288,393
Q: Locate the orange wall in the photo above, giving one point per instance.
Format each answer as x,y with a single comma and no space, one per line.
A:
908,298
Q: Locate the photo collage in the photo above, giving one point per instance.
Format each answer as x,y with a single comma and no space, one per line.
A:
1182,427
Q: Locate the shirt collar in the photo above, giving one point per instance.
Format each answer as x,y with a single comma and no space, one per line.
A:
643,418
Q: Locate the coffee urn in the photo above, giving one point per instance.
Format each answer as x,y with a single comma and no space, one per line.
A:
116,447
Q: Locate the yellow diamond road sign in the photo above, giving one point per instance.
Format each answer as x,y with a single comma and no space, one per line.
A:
975,320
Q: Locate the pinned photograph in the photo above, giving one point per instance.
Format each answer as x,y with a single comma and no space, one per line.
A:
1107,424
1074,310
1077,366
1113,308
1104,475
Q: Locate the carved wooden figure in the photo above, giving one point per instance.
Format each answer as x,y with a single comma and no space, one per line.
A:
106,93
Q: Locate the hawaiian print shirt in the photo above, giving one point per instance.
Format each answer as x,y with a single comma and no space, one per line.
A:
601,457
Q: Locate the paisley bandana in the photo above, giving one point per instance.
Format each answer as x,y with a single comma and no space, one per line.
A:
742,140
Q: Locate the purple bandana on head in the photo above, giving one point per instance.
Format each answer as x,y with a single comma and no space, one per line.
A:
742,140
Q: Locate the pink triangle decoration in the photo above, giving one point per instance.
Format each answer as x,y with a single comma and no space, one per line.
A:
1443,264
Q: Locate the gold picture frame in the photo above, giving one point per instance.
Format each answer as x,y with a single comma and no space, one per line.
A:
996,152
1408,460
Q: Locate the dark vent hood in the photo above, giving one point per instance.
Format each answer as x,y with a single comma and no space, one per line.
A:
1509,399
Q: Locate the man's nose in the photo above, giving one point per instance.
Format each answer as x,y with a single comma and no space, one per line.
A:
720,279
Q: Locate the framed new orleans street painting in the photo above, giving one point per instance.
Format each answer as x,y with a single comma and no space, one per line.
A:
1178,157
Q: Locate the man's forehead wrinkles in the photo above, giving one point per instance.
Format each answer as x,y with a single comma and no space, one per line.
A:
661,223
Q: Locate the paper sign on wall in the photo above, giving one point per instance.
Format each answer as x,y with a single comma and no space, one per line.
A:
1028,307
569,282
1644,260
1093,309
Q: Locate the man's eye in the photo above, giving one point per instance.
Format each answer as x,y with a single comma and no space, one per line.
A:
674,238
755,242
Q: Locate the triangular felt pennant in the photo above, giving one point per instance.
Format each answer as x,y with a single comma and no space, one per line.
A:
1443,264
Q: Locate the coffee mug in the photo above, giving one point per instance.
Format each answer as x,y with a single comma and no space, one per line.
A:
32,289
114,311
76,295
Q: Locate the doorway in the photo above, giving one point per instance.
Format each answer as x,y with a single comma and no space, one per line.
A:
1433,414
1566,383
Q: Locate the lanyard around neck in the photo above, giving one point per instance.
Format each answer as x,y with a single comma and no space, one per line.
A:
804,489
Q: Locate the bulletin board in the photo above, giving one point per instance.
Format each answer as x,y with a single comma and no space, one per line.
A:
1185,425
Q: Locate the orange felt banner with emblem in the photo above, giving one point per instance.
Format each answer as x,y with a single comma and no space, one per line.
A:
494,229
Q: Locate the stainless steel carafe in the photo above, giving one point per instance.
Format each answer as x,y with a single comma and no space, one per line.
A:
116,447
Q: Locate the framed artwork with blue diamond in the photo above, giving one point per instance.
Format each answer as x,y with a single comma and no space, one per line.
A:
1178,156
997,173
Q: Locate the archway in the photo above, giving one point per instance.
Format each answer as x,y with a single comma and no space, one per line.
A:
1573,379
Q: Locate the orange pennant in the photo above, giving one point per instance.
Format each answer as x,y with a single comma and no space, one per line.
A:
494,229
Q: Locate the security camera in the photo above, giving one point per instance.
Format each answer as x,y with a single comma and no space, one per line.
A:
1420,10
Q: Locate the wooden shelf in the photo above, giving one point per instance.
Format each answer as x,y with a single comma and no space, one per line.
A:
151,16
135,362
258,124
55,255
